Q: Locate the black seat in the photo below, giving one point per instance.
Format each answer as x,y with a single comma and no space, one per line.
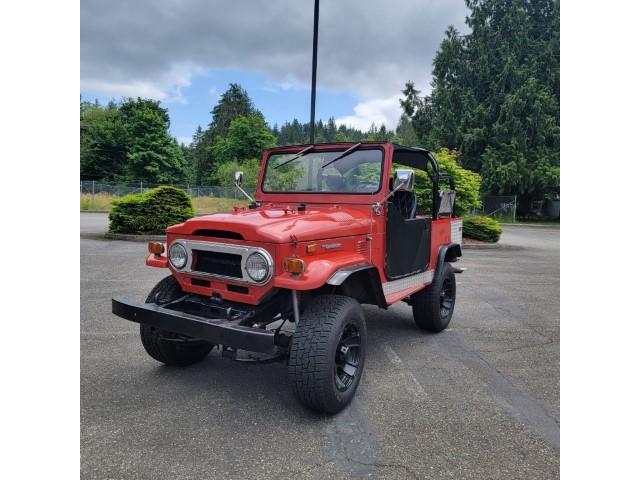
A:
406,202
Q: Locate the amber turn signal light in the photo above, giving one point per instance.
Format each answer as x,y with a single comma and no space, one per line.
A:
156,248
294,265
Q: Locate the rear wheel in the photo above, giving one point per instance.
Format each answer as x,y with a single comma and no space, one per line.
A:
433,305
327,353
168,347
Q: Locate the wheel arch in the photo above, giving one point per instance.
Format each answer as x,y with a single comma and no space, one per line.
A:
447,253
361,282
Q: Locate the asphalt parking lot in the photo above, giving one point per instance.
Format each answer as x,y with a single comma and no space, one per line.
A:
480,400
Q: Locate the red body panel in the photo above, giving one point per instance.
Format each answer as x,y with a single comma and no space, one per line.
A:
440,235
343,227
273,223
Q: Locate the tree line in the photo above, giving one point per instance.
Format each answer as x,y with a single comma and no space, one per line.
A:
130,140
495,100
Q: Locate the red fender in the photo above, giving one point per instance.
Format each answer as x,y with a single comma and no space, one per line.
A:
318,270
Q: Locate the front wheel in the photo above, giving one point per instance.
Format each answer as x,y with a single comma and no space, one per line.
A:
168,347
328,352
433,305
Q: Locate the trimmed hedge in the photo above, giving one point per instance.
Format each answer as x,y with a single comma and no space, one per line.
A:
150,212
481,228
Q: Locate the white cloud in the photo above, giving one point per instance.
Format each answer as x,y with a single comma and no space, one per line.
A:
186,140
380,111
126,89
167,86
153,47
268,88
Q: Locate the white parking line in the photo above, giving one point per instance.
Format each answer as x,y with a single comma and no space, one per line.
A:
395,359
393,356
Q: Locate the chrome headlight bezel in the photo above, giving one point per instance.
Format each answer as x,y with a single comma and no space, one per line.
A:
173,258
259,256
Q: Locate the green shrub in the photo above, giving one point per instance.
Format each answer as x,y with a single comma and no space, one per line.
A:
485,229
467,184
150,212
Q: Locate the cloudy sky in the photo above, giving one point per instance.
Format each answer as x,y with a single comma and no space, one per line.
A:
186,52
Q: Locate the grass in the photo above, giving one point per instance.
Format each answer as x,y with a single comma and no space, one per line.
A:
101,202
204,205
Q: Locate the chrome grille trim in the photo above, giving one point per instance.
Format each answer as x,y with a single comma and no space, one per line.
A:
243,251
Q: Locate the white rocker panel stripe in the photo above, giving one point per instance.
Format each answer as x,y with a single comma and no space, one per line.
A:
407,282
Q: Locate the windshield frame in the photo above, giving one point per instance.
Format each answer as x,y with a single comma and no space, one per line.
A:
334,149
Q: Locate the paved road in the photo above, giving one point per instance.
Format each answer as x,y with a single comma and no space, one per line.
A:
480,400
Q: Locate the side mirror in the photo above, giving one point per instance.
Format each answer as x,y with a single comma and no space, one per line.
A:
404,179
238,178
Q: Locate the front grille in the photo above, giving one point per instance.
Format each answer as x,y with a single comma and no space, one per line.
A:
217,263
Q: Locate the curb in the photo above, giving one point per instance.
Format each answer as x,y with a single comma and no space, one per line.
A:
481,246
135,238
527,225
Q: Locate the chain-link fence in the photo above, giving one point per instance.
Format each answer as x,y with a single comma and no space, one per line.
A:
119,189
500,207
95,195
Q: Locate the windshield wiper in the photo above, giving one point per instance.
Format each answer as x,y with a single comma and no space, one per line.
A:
342,155
301,153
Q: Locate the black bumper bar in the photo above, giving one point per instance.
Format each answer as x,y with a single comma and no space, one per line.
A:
217,331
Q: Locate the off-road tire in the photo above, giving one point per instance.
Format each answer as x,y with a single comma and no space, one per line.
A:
427,305
313,359
154,340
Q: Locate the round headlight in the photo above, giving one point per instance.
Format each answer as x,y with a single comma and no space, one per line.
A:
257,267
178,255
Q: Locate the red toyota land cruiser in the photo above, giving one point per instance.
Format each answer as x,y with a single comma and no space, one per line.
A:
332,226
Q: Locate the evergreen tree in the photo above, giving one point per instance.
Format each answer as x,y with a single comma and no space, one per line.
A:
331,130
247,138
405,134
103,142
418,111
295,133
241,149
412,100
153,155
234,103
379,134
496,96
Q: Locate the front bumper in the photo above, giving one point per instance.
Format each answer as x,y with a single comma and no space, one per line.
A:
220,331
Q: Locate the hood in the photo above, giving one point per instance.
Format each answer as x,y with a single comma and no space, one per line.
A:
278,224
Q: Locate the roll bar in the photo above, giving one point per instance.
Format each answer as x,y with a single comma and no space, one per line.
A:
436,178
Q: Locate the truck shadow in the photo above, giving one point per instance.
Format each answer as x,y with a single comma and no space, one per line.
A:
260,386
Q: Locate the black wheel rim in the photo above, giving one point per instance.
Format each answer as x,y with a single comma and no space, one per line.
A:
347,362
446,298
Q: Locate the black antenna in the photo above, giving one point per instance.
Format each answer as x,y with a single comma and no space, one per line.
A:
312,123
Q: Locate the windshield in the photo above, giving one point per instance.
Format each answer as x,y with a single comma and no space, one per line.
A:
357,172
